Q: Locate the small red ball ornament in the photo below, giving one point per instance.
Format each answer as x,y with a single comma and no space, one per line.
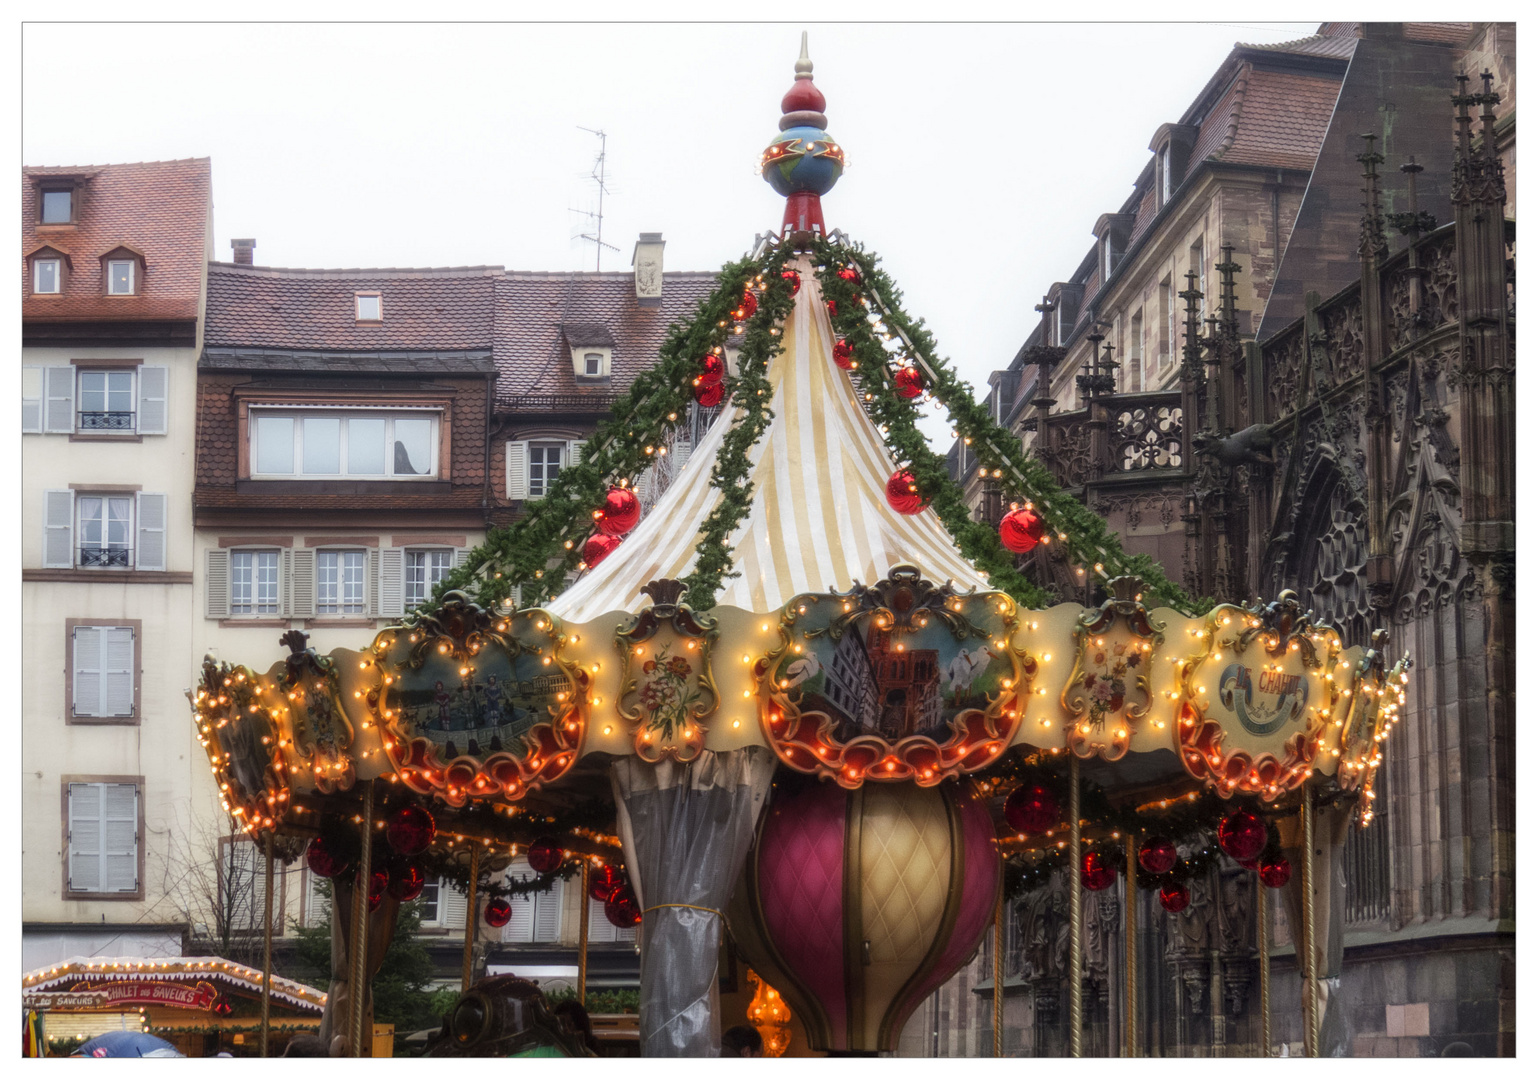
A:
1275,872
545,855
843,354
1021,530
902,493
598,548
794,279
323,860
1174,898
711,370
604,882
378,882
1097,873
848,273
1242,835
622,910
748,306
710,396
1031,808
910,382
621,510
1157,855
406,881
832,308
498,912
411,830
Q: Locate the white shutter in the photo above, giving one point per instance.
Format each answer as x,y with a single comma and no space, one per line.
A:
391,583
153,385
118,675
451,906
301,582
85,829
151,554
574,453
517,470
600,930
217,583
59,400
682,450
59,529
547,913
520,928
371,580
86,659
32,400
316,906
120,838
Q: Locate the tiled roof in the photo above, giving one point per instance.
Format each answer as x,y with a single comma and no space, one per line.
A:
273,308
1282,120
1444,33
1340,47
158,208
465,362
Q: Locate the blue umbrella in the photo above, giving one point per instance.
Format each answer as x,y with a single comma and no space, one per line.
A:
119,1044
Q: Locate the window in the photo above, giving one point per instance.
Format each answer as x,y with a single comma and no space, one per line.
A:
1105,274
317,899
424,569
58,207
537,916
545,461
120,277
370,307
253,583
600,931
105,524
102,838
1135,352
360,443
428,901
97,530
120,401
45,275
107,400
534,465
1167,314
339,583
242,880
1199,268
103,664
1164,174
592,363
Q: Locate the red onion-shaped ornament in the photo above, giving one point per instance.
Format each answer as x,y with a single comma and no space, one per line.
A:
1242,835
1157,855
1174,898
621,909
710,396
406,881
843,355
545,855
910,382
498,912
712,369
1032,809
621,510
323,859
794,279
748,306
902,493
603,882
1096,872
1275,871
411,830
1021,530
598,548
849,273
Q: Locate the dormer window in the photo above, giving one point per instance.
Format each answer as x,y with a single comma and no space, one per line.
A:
58,207
120,277
370,307
592,363
46,277
592,349
1164,174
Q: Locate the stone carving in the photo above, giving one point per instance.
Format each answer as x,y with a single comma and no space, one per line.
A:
1147,438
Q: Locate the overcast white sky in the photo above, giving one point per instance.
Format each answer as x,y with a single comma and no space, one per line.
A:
979,155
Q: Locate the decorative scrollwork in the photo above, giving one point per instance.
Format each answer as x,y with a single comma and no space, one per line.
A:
234,711
667,703
1114,647
323,733
1148,438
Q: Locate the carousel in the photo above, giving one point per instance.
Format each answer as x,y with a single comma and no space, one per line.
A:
804,699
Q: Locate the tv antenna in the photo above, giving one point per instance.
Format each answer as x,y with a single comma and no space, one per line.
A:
595,237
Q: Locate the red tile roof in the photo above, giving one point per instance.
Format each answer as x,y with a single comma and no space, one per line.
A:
1336,45
1447,33
1281,120
159,208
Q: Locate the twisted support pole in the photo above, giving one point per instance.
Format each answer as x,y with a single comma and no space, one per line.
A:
267,946
1131,934
359,956
998,972
1263,940
1075,917
582,943
1310,974
475,870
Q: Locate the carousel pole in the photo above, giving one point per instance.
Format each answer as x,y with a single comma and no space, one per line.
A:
1263,938
360,921
582,942
475,872
1310,997
1075,917
1131,933
998,973
267,947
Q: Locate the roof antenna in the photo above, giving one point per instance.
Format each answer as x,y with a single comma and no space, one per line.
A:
596,236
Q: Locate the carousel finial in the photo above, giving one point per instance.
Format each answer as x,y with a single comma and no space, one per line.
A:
804,65
803,164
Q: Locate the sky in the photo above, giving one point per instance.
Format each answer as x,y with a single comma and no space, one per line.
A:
980,155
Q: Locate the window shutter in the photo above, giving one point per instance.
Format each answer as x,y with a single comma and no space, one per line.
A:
600,930
85,821
461,555
316,906
517,470
120,846
371,581
217,583
391,583
32,400
301,582
87,662
451,906
520,928
574,453
59,400
118,675
151,554
682,450
547,913
154,383
59,529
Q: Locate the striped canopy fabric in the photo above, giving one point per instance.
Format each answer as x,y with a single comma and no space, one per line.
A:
819,519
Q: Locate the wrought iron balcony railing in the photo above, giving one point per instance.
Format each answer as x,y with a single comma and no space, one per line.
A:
106,556
106,421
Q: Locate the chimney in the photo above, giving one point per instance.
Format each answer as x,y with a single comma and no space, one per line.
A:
647,260
244,249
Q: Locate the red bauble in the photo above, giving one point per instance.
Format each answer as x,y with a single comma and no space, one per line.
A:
378,882
1020,530
902,493
849,273
604,882
843,354
794,279
1275,871
1032,809
545,855
1157,855
621,510
406,881
323,859
411,830
910,382
621,909
711,370
1174,898
498,912
597,549
710,396
1096,872
1242,835
832,308
748,306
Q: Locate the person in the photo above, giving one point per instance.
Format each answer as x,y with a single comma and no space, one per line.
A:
742,1041
305,1045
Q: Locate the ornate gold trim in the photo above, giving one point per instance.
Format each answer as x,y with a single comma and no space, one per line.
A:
682,737
1088,730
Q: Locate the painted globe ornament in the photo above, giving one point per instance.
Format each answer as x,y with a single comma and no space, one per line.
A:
498,912
604,882
1275,871
794,279
710,396
748,306
1157,855
902,493
1021,530
598,548
1096,872
843,355
711,371
621,510
1242,835
326,858
411,830
621,909
910,382
1032,809
1174,898
545,855
802,159
406,881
